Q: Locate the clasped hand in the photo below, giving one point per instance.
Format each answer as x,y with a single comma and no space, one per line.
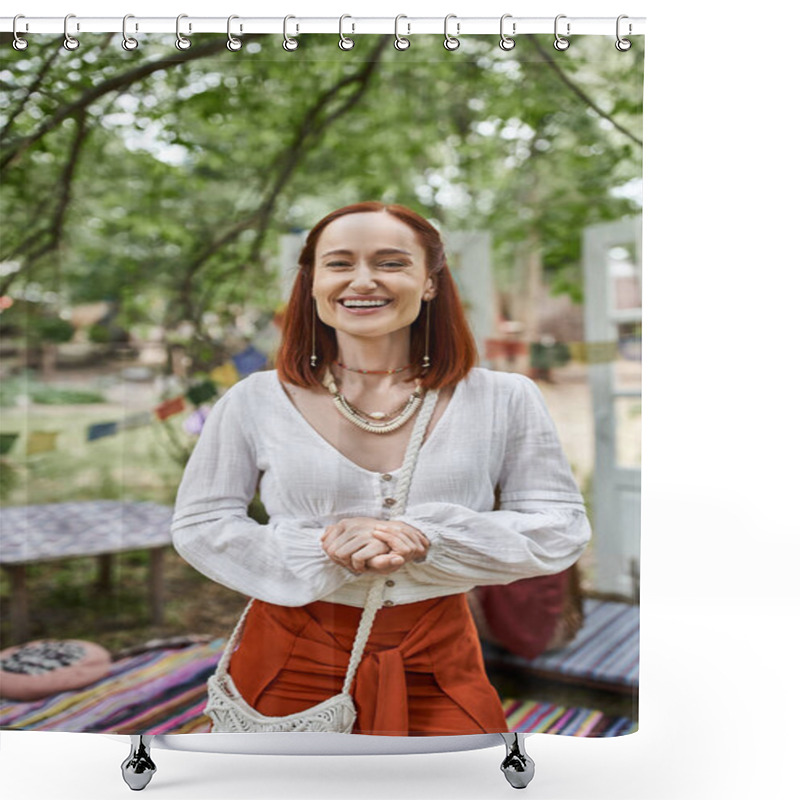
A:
364,544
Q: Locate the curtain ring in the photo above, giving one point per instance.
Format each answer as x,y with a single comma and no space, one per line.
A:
400,42
70,43
450,42
506,42
128,42
181,42
345,43
623,44
233,44
19,43
289,44
560,43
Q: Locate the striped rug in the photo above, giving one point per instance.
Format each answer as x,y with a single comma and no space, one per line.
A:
164,691
604,653
530,716
161,691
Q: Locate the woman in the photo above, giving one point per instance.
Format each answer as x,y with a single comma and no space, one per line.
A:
373,323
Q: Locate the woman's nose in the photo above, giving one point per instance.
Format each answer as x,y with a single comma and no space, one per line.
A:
363,277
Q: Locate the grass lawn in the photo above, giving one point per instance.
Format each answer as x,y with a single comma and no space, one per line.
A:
131,464
66,603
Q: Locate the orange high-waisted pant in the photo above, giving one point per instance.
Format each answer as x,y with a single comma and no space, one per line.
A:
422,673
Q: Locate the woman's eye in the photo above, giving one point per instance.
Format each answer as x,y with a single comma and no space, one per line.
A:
337,264
392,264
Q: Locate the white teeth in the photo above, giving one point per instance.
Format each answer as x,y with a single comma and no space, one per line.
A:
364,303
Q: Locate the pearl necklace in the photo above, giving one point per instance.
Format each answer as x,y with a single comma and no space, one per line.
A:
351,413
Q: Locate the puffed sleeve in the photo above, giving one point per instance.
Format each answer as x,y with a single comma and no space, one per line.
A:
282,562
540,527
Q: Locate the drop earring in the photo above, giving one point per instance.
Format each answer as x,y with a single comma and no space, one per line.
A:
313,335
426,360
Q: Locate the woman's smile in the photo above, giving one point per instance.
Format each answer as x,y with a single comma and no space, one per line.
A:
364,305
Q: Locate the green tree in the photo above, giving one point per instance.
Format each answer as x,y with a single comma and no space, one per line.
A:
163,179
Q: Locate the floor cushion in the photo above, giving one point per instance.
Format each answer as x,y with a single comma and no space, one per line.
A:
46,667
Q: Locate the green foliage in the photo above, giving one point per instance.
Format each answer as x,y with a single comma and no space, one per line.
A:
9,478
168,193
99,334
13,387
53,395
546,356
51,329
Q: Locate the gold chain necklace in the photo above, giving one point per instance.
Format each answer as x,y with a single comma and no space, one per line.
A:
363,419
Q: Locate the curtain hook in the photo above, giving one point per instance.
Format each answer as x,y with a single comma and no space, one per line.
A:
400,42
451,42
128,42
506,42
289,44
233,44
345,43
623,44
19,43
561,43
181,42
70,43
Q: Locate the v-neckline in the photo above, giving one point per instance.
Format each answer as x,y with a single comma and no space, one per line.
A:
316,434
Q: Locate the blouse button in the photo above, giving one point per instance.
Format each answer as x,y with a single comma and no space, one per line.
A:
390,583
388,603
389,501
386,476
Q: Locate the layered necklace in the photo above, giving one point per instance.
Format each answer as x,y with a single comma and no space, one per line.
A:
374,421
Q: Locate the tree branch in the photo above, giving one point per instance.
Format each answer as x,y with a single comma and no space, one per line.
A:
314,123
579,92
312,128
120,81
51,238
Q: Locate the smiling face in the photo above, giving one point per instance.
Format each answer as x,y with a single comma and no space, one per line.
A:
370,275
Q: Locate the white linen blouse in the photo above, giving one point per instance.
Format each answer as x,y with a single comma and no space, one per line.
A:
495,431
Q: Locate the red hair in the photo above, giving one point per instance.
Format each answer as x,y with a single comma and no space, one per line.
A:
452,347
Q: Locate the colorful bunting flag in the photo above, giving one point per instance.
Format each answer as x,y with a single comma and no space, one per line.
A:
137,420
193,424
170,407
249,360
7,442
100,429
41,442
226,375
201,392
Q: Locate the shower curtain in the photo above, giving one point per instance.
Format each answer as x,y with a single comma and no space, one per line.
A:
156,201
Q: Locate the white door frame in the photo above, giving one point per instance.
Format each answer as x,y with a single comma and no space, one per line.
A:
616,502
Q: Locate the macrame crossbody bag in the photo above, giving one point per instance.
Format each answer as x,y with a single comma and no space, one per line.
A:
227,708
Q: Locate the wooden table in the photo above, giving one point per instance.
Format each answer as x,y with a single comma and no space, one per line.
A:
53,531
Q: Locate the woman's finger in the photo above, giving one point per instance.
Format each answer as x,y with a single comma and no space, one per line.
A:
403,544
385,564
346,549
399,544
331,531
359,559
407,530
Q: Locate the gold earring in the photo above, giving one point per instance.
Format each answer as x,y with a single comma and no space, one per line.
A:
313,335
426,360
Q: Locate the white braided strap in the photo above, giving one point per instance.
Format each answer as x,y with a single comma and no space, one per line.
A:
375,592
233,641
